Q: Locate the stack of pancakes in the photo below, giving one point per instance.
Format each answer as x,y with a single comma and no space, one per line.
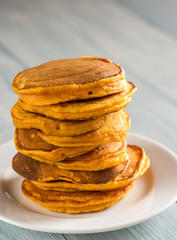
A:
70,135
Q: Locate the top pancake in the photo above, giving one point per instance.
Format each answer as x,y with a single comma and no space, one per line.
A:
69,79
66,72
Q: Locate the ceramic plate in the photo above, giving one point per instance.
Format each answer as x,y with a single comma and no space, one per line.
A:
152,193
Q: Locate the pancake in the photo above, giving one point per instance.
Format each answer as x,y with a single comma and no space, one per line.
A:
84,109
115,129
42,172
29,143
92,164
29,139
69,79
138,165
101,157
73,202
26,120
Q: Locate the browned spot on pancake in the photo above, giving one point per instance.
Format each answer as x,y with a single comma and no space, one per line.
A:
22,165
38,171
29,139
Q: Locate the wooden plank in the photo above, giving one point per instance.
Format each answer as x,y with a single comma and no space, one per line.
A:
160,14
8,231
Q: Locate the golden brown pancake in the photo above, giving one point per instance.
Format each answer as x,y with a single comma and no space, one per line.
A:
26,120
69,79
29,143
115,129
138,165
93,164
73,202
43,172
103,156
84,109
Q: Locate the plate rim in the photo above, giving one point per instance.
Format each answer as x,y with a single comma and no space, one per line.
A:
98,229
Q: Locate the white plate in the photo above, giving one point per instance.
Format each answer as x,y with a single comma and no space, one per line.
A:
152,193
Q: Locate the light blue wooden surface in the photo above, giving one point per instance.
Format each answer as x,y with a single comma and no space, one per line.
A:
139,35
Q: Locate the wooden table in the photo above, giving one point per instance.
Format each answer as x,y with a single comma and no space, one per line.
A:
139,35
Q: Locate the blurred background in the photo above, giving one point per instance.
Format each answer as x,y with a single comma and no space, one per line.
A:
139,35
